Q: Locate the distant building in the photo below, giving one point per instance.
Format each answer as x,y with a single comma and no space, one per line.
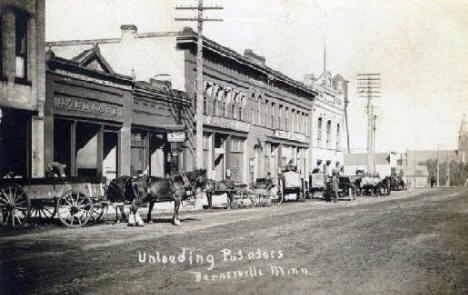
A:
22,87
417,176
328,142
386,164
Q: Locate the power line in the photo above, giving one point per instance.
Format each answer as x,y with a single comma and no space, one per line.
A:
369,87
199,92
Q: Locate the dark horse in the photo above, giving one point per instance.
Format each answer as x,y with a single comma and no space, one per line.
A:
147,189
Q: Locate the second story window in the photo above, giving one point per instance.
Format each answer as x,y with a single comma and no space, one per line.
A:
338,136
328,132
21,46
319,129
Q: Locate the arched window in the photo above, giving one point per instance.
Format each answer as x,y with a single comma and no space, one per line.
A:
319,129
233,110
338,136
328,132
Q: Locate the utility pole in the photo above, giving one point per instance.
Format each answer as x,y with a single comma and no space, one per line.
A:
369,87
374,127
447,182
438,165
199,82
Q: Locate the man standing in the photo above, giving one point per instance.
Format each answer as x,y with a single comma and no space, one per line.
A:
335,186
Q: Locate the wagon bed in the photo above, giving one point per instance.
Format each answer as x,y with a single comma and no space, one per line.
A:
74,200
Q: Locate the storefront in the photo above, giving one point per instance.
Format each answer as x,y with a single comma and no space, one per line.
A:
100,123
224,148
87,122
158,134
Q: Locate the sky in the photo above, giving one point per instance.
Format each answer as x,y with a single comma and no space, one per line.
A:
420,47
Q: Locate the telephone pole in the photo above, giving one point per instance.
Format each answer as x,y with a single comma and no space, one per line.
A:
369,87
438,165
199,82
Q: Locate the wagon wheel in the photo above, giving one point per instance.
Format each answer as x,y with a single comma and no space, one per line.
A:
74,208
43,210
97,211
15,206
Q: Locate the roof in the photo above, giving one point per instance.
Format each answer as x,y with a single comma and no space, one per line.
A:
86,57
361,159
190,36
82,63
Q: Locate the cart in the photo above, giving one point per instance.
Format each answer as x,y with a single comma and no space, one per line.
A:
74,200
265,191
317,184
291,182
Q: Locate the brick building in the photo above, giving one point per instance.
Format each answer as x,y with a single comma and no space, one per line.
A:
101,123
257,120
22,87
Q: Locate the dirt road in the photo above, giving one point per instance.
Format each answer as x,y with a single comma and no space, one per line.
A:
409,243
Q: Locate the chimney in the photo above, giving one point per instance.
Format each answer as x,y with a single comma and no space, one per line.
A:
128,31
309,80
251,56
159,80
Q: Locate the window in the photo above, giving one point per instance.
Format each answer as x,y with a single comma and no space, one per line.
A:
293,120
280,114
21,46
338,136
259,118
240,112
215,106
328,132
272,114
233,111
286,119
319,130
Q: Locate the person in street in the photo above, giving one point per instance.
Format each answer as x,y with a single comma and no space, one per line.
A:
433,181
335,186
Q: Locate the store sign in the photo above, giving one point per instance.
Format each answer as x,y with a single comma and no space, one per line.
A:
226,123
86,106
176,136
290,135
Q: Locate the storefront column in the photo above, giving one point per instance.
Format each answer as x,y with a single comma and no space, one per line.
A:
37,146
245,161
211,154
100,150
124,150
227,156
73,148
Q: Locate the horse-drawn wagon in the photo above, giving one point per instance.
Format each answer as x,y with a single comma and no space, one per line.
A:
74,200
317,182
291,183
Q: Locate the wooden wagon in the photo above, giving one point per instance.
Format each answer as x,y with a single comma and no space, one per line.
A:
291,182
74,200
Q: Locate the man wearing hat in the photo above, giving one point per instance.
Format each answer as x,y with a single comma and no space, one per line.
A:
335,186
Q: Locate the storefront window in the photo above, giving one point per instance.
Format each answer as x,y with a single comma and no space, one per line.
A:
21,46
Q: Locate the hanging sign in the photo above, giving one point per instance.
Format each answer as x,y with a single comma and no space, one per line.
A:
176,136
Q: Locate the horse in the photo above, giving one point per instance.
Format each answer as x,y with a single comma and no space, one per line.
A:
369,184
385,185
177,189
148,189
127,189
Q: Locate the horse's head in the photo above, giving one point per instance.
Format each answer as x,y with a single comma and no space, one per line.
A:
197,178
140,187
